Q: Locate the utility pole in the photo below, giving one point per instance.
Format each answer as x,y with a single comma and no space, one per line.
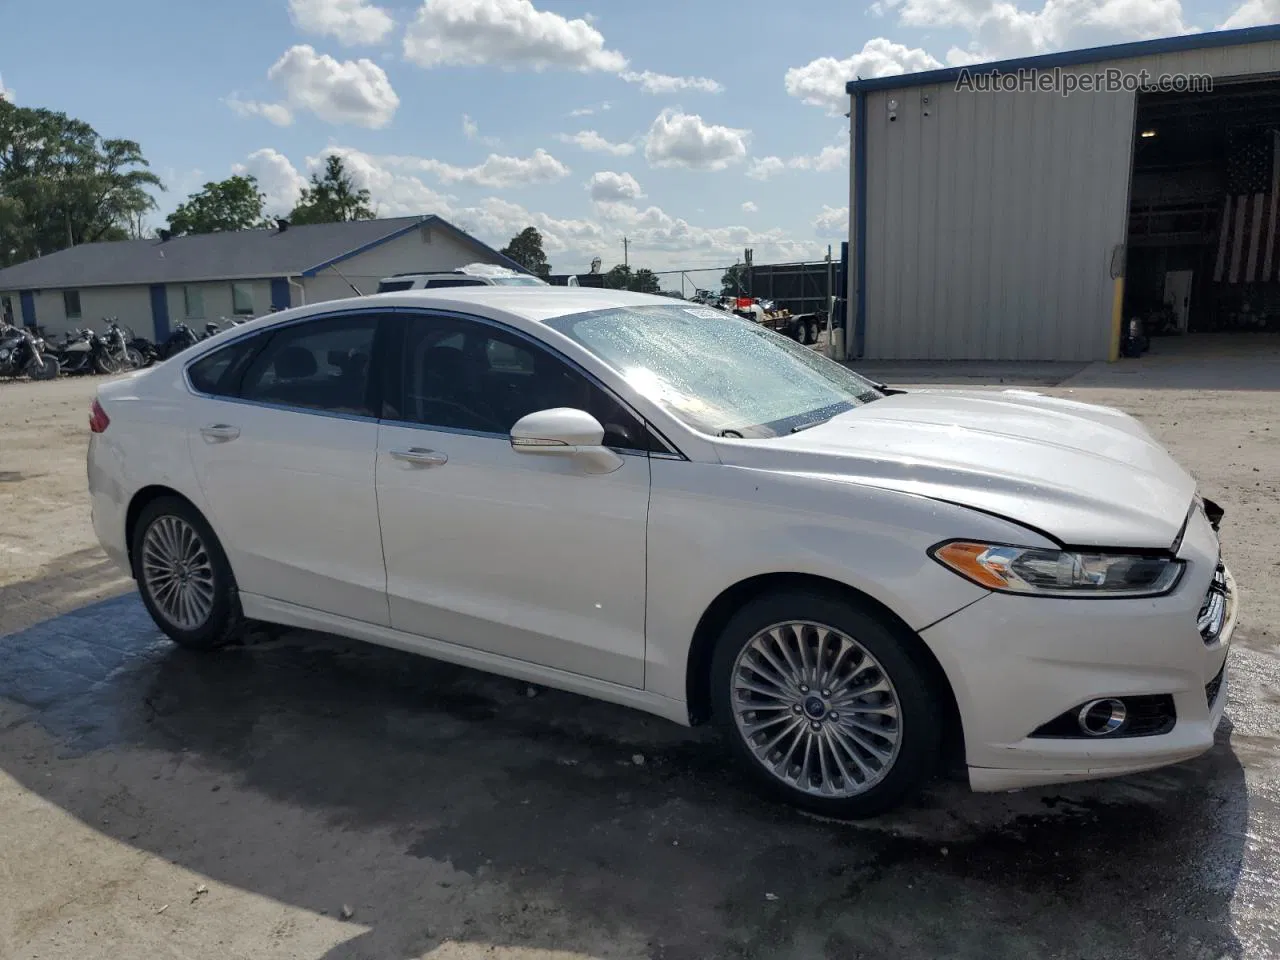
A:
625,244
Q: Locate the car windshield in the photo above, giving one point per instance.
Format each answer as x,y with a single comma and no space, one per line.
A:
718,373
518,281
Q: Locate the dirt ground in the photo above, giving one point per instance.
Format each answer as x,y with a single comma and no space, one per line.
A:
314,798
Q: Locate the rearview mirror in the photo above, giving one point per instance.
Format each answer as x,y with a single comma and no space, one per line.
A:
565,432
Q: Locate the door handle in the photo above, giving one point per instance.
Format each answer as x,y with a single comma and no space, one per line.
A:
421,457
219,432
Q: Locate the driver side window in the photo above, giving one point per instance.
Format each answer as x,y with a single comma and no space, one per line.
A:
462,375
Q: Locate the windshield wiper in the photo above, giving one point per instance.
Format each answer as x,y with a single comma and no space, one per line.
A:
812,423
731,433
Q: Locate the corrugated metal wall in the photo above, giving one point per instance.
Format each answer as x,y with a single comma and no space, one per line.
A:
991,222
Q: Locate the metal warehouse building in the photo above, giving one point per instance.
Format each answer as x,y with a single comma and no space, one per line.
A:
1014,211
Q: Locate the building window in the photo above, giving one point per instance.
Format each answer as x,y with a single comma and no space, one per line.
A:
242,299
71,303
193,303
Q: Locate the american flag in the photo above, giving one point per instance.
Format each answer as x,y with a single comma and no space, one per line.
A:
1248,250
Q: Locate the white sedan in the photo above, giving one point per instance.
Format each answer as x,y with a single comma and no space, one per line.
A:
671,508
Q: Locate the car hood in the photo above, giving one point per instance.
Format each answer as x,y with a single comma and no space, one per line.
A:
1086,475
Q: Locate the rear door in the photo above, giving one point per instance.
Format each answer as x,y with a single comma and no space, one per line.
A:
283,437
517,555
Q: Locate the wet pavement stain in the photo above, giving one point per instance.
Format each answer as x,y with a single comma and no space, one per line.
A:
542,797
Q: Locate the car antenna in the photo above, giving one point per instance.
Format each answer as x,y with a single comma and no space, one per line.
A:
334,268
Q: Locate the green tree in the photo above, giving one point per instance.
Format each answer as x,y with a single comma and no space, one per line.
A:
332,198
644,281
734,281
618,277
62,184
232,204
525,249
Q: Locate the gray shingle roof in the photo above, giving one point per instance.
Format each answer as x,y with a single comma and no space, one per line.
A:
213,256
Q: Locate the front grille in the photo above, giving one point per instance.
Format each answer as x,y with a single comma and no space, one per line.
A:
1213,612
1214,686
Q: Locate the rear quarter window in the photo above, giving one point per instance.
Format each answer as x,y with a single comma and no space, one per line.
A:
216,373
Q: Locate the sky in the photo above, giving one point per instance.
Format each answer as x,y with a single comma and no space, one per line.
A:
695,128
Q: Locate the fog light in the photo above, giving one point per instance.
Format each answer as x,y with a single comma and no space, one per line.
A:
1099,718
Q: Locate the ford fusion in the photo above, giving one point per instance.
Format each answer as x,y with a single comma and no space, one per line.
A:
672,508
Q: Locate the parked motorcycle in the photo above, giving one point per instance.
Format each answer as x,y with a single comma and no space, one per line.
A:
181,338
119,344
22,353
84,351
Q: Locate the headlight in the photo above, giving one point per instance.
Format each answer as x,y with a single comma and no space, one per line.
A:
1035,571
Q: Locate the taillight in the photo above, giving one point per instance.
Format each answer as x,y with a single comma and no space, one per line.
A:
98,419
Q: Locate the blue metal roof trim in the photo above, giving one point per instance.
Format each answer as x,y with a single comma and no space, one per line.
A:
1071,58
393,235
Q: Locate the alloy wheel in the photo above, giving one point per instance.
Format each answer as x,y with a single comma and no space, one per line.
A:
178,572
816,709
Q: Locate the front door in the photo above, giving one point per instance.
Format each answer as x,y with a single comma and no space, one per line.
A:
523,556
283,438
1177,294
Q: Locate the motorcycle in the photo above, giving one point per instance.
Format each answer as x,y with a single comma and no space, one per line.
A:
84,351
22,353
181,338
119,344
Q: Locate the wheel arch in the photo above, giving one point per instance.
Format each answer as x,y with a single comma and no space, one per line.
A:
717,615
138,503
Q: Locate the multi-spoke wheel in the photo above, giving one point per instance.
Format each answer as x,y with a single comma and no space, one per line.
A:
183,575
827,703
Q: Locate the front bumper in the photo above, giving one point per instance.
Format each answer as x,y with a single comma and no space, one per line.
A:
1016,662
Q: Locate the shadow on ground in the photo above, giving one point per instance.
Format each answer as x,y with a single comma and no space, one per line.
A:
449,804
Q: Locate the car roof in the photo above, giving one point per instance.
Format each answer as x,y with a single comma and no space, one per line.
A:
531,303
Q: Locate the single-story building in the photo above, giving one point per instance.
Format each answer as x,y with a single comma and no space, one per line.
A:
1028,209
152,284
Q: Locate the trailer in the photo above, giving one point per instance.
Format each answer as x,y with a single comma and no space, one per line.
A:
800,327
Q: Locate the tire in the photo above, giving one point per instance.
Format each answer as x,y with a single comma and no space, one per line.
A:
810,334
797,332
134,359
105,364
49,371
874,649
169,520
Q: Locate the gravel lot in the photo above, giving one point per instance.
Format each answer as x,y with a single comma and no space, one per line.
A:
313,798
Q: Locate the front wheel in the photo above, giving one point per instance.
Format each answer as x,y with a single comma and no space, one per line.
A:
104,363
133,358
183,576
826,703
35,370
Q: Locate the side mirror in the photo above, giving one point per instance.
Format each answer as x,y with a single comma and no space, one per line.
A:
565,432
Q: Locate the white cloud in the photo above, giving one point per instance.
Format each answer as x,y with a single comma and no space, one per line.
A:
592,142
653,229
277,113
832,221
605,186
471,130
497,221
678,139
496,171
826,159
512,34
350,21
651,82
1000,29
588,111
750,207
821,82
5,92
348,91
1252,13
277,178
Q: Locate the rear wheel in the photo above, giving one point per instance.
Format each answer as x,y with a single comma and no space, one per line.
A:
826,703
134,359
183,576
106,364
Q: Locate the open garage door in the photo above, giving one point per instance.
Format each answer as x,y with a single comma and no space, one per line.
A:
1204,217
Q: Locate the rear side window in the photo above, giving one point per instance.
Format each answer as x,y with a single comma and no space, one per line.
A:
215,374
391,286
319,365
